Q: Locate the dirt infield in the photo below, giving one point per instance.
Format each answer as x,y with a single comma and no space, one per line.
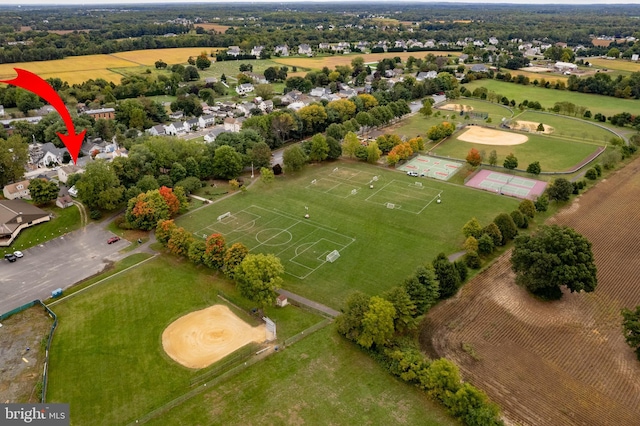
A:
485,136
532,126
563,362
201,338
456,107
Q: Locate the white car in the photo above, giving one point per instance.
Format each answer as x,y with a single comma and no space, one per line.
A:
18,254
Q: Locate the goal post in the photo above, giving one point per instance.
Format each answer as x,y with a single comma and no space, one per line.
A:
224,216
331,257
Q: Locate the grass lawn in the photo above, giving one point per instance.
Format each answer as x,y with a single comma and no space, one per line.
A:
321,380
388,243
107,359
569,127
414,125
64,220
606,105
618,64
554,154
495,111
232,68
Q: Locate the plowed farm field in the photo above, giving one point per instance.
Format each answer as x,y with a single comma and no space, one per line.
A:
563,362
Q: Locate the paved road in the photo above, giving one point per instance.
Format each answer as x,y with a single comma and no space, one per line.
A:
310,303
58,263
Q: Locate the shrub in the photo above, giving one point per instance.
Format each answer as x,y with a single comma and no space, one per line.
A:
506,226
95,214
470,244
461,268
598,169
485,245
542,203
494,232
591,174
527,208
472,259
519,219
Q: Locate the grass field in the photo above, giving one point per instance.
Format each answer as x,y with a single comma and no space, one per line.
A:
618,64
109,339
148,57
548,97
389,243
568,127
554,154
321,380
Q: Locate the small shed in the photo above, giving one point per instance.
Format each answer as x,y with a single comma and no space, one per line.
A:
282,301
64,201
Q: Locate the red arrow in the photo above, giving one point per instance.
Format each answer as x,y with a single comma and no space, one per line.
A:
33,83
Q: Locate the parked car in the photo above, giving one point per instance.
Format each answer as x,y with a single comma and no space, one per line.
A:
10,257
411,173
18,254
113,240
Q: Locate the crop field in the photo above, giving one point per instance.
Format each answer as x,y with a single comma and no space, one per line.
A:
381,245
606,105
552,78
148,57
562,362
618,64
318,63
553,153
216,27
74,69
109,340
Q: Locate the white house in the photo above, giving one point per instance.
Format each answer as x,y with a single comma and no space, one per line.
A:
214,133
157,130
190,125
635,57
243,89
65,171
206,120
282,49
232,124
233,51
17,190
64,201
176,128
565,66
305,49
257,51
1,110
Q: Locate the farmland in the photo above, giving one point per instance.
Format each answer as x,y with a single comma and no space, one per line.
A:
548,97
177,55
617,64
562,362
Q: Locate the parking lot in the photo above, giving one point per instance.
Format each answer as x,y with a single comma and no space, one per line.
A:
58,263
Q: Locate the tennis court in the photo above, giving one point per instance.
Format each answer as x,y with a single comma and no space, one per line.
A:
505,184
432,167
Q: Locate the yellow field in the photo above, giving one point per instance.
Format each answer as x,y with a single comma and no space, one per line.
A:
617,64
178,55
216,27
332,61
552,78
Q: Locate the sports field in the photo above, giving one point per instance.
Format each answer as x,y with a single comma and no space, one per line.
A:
385,231
553,153
569,127
436,168
504,184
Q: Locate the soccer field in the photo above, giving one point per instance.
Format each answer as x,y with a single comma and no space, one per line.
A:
381,222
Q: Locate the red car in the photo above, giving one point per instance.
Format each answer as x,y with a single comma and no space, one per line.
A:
113,240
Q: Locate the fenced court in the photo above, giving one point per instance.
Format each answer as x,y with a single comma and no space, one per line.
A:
432,167
301,244
504,184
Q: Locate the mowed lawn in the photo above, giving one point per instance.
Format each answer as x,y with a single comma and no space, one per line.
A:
554,154
606,105
568,127
321,380
107,359
389,244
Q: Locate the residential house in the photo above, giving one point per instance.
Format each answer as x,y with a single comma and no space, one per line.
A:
635,57
463,58
478,43
257,78
214,133
176,115
347,92
266,106
233,51
479,68
493,41
257,51
233,124
45,110
104,113
210,80
16,215
291,97
429,75
175,128
324,46
319,92
191,125
157,130
17,190
362,45
44,155
400,44
65,171
305,49
245,108
206,120
1,110
282,50
64,201
243,89
430,43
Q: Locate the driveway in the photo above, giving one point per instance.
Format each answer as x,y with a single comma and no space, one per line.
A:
58,263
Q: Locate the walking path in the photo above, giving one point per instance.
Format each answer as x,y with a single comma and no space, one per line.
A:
310,303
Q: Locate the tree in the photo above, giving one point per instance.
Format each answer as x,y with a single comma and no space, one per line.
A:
234,257
319,148
146,210
507,227
447,276
260,155
202,61
540,127
426,109
511,162
215,248
163,231
405,308
314,117
541,203
473,407
227,163
196,252
349,323
14,153
294,158
560,190
493,158
26,101
631,328
519,219
470,244
485,245
43,191
552,257
99,187
534,168
473,157
472,228
527,208
373,153
174,203
180,241
494,232
258,276
350,144
426,276
377,323
335,149
441,380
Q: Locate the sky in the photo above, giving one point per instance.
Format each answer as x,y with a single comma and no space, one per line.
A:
133,2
